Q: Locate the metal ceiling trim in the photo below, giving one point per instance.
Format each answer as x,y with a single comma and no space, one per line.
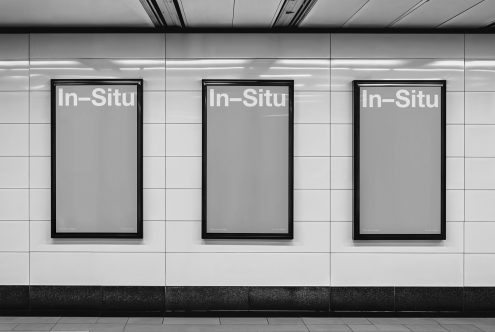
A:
293,12
154,12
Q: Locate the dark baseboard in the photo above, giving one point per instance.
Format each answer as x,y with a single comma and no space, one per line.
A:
247,301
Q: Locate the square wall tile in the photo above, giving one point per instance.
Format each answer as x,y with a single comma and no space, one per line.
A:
479,270
183,204
184,140
14,107
311,107
17,272
480,75
14,204
312,173
479,173
479,237
14,75
184,107
479,205
479,107
480,46
14,140
311,140
312,205
184,172
479,141
14,172
14,236
14,46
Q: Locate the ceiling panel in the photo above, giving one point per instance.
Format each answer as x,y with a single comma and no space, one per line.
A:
480,15
73,13
380,13
434,12
208,13
331,13
256,13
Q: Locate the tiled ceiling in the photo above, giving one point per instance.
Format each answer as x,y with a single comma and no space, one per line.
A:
263,14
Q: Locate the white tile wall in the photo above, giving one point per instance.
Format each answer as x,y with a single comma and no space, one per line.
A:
14,268
397,46
396,269
39,172
248,46
14,204
14,139
311,205
89,268
185,236
153,240
311,140
312,173
342,242
63,46
15,107
232,269
14,46
479,269
14,235
14,172
172,166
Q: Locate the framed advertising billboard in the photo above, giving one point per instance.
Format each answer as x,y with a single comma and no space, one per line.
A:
399,160
96,158
247,178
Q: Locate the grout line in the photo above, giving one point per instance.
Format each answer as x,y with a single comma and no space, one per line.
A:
330,170
464,182
29,162
165,178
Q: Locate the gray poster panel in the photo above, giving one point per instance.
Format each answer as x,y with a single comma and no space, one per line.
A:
96,134
399,160
247,159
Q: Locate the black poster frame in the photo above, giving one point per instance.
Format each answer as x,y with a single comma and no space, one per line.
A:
139,113
234,82
357,235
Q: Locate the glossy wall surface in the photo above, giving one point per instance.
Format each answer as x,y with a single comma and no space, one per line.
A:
172,252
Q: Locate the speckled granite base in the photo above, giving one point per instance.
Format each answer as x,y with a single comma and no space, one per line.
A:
157,301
